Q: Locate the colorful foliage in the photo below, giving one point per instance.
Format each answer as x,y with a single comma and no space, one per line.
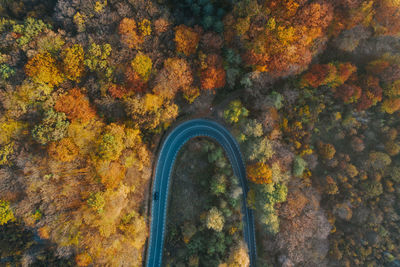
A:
75,105
142,66
73,59
186,39
6,214
64,150
43,68
213,75
259,173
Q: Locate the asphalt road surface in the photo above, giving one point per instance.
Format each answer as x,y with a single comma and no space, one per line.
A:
166,158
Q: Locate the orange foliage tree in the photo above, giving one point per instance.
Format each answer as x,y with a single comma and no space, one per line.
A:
332,74
259,173
75,105
213,75
129,33
43,68
64,150
283,41
176,75
186,39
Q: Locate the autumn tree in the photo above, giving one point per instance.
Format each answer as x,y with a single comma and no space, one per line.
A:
176,75
129,33
75,105
43,68
259,173
142,65
6,214
239,256
327,151
64,150
53,127
215,219
110,143
235,112
186,39
73,62
213,73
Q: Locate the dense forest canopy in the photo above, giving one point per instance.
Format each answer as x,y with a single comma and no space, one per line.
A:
310,89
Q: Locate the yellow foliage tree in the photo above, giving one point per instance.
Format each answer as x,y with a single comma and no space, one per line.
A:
43,68
259,173
73,62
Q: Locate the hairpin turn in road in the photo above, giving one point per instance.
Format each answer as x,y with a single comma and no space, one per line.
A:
166,158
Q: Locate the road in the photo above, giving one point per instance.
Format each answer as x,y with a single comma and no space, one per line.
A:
166,158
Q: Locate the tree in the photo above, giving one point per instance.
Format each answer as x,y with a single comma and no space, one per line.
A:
6,214
259,173
215,220
142,66
176,75
239,256
29,30
213,75
129,33
75,105
110,143
186,39
43,68
52,128
327,151
235,112
64,150
299,165
96,202
73,62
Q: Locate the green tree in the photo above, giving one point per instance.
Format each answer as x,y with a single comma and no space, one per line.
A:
96,202
52,128
235,112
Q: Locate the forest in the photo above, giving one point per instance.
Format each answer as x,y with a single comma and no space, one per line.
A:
309,88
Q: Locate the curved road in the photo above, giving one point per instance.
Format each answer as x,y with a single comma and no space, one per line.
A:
172,144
